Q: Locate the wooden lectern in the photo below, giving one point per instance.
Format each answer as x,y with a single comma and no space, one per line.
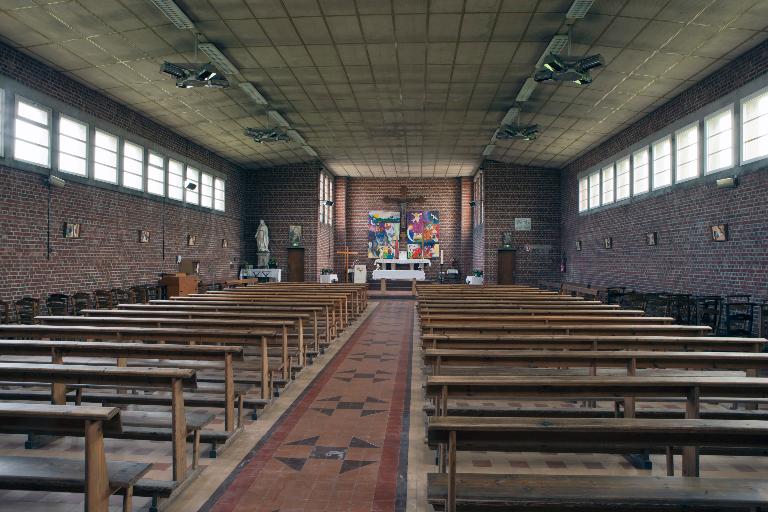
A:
179,284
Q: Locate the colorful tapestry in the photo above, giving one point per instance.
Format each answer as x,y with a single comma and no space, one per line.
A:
383,234
423,234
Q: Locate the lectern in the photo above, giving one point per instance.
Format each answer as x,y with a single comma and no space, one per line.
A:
179,284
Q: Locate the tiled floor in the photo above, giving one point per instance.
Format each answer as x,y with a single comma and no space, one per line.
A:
340,445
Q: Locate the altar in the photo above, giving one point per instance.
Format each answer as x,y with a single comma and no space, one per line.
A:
400,269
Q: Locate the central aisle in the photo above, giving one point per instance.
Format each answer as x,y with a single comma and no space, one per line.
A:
343,445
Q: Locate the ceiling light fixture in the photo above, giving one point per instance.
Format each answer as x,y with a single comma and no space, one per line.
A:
579,9
296,136
309,150
255,95
195,75
174,13
265,136
489,149
516,132
555,46
559,69
526,90
218,58
278,118
511,116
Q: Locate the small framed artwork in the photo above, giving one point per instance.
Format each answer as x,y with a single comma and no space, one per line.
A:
224,243
578,245
143,236
651,238
608,242
71,230
191,240
294,236
720,232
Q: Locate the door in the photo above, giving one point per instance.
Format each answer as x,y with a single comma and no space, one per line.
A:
296,264
506,266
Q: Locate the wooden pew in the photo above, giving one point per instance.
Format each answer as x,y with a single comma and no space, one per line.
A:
626,328
94,476
358,292
554,492
57,351
175,379
555,319
499,313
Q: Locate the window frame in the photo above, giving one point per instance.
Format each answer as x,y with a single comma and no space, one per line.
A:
59,145
142,164
628,159
196,191
697,174
223,190
647,150
603,188
163,172
203,186
19,98
671,170
116,151
742,160
599,195
731,108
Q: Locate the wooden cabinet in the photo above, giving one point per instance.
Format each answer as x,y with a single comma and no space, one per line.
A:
295,264
179,284
506,266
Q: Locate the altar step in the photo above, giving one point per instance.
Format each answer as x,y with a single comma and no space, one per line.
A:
392,285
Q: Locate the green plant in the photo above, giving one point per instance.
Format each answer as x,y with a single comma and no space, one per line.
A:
326,271
477,272
272,262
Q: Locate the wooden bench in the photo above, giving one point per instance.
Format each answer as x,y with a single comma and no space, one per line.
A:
94,476
499,313
554,492
358,292
581,291
625,328
482,320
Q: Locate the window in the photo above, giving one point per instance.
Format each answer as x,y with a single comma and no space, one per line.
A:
687,152
662,163
321,189
622,179
206,191
608,184
105,157
584,194
32,141
218,194
175,180
73,146
719,140
133,166
754,119
330,198
594,189
192,194
640,171
156,174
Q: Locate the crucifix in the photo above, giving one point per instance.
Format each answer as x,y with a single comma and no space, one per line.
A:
403,201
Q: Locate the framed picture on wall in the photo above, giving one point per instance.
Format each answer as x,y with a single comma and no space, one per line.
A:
578,245
652,238
608,242
71,230
143,236
224,243
720,232
191,240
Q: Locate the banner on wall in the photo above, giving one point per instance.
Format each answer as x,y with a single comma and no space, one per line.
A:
383,234
423,234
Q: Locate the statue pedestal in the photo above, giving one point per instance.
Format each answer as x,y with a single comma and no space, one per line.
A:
262,259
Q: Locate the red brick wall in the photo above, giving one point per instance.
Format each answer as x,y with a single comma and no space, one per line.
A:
366,194
108,254
340,225
685,260
465,260
512,192
284,196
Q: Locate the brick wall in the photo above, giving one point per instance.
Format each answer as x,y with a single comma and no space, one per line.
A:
108,253
284,196
465,259
685,260
340,225
511,192
366,194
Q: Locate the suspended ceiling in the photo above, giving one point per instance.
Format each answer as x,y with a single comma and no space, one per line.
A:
390,87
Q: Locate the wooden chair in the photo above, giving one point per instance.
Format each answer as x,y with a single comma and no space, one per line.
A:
657,304
5,312
739,315
27,308
58,304
102,299
707,311
138,294
764,319
80,301
633,300
613,295
120,296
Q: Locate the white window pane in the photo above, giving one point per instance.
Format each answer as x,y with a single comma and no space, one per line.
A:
133,151
207,180
640,171
622,179
219,184
132,166
105,140
32,153
72,146
32,113
105,173
607,184
175,192
31,133
105,156
755,127
72,128
687,157
583,194
132,181
72,164
662,163
155,187
175,167
594,190
155,160
720,160
156,173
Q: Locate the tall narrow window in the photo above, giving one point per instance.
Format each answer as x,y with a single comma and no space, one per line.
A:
662,163
321,189
156,174
594,189
584,194
218,194
105,157
719,140
175,180
754,119
133,166
32,130
640,171
206,190
330,198
622,179
687,152
192,186
2,116
73,146
608,184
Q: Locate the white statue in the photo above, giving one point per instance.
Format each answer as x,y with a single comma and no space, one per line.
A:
262,237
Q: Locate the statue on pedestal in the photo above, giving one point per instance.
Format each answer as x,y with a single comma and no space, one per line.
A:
262,245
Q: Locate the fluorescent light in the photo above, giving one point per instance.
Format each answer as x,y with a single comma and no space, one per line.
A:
217,58
555,46
526,90
579,9
173,13
489,149
293,134
278,118
255,95
511,116
309,150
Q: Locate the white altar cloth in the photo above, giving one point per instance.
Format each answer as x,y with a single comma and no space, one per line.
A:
270,273
392,263
391,272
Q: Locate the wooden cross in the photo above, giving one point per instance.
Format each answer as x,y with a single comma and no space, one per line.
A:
403,202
